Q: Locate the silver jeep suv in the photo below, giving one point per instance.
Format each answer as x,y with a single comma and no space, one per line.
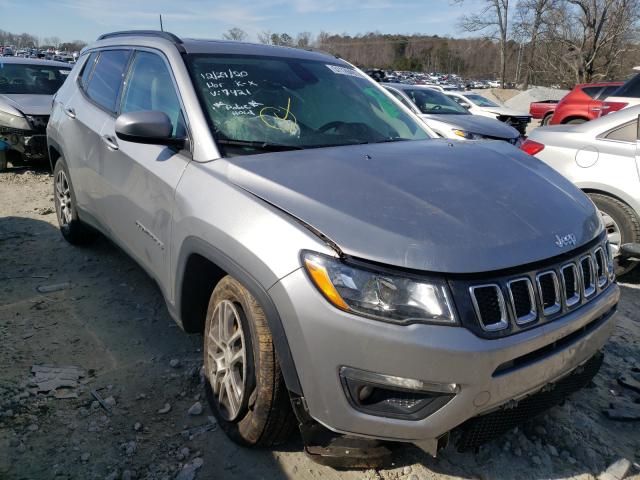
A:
353,276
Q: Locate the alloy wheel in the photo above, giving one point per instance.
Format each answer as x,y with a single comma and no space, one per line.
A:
226,359
613,233
63,197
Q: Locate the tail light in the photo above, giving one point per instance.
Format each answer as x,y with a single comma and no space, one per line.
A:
608,107
531,147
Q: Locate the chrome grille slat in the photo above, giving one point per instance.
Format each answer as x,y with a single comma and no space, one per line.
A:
483,303
517,302
570,284
553,305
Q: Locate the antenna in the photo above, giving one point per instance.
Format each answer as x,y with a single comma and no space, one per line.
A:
161,28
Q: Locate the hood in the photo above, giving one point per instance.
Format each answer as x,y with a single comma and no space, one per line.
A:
27,103
434,205
505,111
476,124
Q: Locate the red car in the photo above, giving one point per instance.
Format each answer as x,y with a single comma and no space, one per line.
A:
543,110
583,103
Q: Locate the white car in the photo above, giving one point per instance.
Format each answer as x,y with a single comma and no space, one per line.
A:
627,95
479,105
494,83
600,157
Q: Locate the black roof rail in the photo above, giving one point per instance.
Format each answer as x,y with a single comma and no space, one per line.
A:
143,33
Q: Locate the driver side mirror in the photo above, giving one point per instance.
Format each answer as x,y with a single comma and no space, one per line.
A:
149,127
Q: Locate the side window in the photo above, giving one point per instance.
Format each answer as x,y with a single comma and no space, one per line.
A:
149,87
607,91
592,91
629,89
626,133
87,70
105,82
401,98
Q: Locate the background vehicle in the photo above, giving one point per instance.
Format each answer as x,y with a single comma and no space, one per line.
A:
479,105
626,95
583,103
543,110
600,157
447,118
26,90
310,226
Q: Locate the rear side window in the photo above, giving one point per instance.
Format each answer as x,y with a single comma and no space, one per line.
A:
626,133
149,86
403,100
606,91
629,89
106,79
592,91
88,69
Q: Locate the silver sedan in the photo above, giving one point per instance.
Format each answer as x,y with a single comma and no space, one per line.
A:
600,157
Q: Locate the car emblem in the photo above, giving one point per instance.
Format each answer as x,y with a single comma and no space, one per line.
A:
565,240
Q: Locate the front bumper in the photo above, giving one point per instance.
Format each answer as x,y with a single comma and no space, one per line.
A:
323,339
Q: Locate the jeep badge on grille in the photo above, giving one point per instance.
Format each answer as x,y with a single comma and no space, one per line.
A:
565,240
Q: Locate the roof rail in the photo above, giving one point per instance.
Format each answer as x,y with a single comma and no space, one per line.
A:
143,33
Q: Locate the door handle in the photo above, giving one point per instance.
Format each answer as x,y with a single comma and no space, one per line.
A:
110,142
71,113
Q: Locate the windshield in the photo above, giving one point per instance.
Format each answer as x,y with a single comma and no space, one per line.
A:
18,78
480,100
258,103
433,102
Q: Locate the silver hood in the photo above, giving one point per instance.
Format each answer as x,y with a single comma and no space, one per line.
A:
476,124
434,205
26,103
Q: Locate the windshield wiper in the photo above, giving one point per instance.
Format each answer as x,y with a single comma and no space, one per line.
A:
267,147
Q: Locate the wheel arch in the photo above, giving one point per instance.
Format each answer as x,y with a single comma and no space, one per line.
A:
613,193
200,267
567,119
54,151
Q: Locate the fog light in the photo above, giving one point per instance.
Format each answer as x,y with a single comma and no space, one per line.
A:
395,397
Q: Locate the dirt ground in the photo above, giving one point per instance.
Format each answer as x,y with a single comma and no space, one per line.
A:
99,312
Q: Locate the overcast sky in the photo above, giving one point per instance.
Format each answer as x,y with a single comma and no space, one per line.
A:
86,19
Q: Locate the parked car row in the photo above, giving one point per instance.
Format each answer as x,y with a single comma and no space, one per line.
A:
354,276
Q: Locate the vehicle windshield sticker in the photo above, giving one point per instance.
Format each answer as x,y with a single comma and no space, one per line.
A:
385,103
65,72
343,71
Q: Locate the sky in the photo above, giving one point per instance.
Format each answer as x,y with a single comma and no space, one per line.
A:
86,19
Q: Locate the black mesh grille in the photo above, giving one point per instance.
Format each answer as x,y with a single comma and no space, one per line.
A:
521,298
600,264
487,299
548,290
586,272
479,430
569,282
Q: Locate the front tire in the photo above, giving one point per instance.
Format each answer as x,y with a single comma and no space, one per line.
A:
72,228
244,384
622,225
576,121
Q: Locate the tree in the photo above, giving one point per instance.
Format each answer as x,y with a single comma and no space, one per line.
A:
303,40
494,19
264,37
235,33
532,15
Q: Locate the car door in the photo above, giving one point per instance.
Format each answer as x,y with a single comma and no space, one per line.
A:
140,179
90,108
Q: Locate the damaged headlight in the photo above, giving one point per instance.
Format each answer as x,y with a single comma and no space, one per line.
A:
13,121
468,135
378,294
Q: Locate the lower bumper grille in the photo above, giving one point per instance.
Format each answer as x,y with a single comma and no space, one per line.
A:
479,430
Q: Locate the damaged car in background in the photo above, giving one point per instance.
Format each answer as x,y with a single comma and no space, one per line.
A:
26,91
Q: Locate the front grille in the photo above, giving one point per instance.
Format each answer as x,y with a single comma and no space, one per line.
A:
479,430
514,302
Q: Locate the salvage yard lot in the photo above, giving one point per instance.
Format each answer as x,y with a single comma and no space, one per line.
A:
99,312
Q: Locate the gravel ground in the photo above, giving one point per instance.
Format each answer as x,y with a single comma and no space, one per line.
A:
94,309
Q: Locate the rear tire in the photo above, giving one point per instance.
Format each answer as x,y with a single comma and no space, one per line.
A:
546,119
72,228
622,224
260,414
576,121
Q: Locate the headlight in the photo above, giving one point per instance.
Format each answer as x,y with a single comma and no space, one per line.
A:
378,294
468,135
13,121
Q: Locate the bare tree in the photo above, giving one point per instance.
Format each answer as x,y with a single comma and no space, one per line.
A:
492,18
303,40
531,17
264,37
235,33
